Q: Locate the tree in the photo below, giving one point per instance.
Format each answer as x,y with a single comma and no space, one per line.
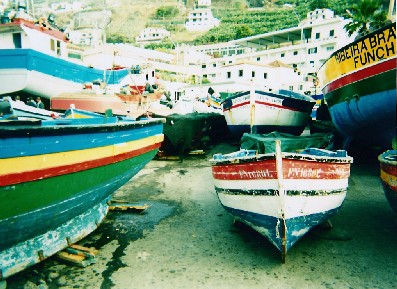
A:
318,4
366,16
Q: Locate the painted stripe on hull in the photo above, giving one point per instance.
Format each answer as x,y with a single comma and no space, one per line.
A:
294,206
24,169
44,204
288,184
32,60
292,169
270,227
353,91
25,254
39,140
360,54
370,72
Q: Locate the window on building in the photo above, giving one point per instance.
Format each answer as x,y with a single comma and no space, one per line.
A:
17,40
258,59
295,52
282,54
228,74
330,48
312,50
291,87
252,74
332,33
52,44
265,75
318,35
203,66
213,64
240,73
58,48
312,64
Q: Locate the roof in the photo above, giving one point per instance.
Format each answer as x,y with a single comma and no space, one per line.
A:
276,37
278,63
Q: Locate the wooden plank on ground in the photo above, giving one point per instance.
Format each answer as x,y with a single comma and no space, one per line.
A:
124,206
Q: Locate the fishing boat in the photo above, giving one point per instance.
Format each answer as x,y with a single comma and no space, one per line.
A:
10,109
359,85
37,58
133,105
258,111
282,195
388,176
57,176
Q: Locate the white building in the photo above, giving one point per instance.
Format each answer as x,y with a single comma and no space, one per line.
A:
201,18
305,47
152,35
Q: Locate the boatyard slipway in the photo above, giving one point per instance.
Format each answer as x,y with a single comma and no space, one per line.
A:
185,239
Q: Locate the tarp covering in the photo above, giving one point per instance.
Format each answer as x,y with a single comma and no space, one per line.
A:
183,130
265,143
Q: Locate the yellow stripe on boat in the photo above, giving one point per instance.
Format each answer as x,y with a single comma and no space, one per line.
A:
33,163
360,54
389,179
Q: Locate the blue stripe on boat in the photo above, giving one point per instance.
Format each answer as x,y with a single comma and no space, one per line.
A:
52,143
36,61
296,227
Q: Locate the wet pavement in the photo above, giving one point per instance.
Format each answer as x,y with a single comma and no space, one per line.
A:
184,239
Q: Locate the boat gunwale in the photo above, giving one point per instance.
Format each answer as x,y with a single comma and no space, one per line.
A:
284,155
270,94
35,128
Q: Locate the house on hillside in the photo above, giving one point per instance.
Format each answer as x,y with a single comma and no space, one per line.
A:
201,18
273,75
152,35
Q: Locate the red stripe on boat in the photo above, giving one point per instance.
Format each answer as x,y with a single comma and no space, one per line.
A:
292,169
262,103
17,178
237,105
360,75
389,169
276,105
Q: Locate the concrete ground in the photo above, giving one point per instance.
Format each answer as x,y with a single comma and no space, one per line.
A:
185,239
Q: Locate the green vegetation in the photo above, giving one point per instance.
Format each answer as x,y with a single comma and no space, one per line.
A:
366,15
239,18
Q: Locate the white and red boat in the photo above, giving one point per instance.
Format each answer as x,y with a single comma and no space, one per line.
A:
257,111
282,195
